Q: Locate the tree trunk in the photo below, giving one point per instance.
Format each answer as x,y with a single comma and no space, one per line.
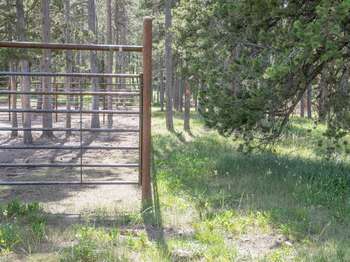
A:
69,64
195,98
123,40
187,107
109,61
200,106
161,84
181,94
176,93
13,100
236,81
95,118
309,101
25,80
168,66
27,117
39,88
322,98
302,106
47,99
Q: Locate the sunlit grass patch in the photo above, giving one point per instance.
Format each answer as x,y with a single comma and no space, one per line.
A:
22,228
93,244
214,203
292,191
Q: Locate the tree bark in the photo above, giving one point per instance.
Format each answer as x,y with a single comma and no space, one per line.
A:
187,107
168,66
161,84
195,98
13,100
176,92
25,80
109,61
27,117
181,94
322,112
95,118
46,86
302,106
69,64
309,101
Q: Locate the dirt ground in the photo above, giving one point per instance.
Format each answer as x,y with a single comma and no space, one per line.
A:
74,199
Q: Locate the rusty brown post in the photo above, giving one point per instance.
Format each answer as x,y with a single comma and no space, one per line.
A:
146,114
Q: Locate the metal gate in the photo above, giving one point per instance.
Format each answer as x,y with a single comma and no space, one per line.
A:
120,96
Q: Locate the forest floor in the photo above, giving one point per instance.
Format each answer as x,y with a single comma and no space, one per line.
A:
211,203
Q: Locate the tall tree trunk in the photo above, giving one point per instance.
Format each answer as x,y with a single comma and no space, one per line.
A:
13,100
200,106
47,99
176,92
187,106
39,88
302,106
109,61
27,117
195,98
25,80
168,66
121,24
181,94
95,118
236,81
161,83
123,40
322,97
309,101
69,64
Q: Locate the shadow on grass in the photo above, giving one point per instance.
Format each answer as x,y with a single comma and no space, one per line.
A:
152,216
299,196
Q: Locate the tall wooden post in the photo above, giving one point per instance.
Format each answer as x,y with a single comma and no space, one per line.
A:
146,114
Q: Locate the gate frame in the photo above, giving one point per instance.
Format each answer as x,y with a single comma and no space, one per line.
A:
144,99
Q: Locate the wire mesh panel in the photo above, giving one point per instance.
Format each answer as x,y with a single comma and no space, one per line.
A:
93,131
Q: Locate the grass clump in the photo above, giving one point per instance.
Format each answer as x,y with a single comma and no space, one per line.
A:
93,245
23,227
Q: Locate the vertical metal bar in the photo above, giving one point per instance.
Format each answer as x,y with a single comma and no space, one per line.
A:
146,116
140,128
104,105
56,97
9,98
81,132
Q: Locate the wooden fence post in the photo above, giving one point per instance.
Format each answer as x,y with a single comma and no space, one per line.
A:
146,115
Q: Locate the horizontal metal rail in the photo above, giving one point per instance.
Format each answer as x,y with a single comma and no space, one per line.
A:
70,147
4,165
62,111
85,93
48,74
57,83
107,130
128,87
59,46
67,183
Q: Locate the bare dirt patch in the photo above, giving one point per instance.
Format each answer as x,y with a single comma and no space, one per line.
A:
75,198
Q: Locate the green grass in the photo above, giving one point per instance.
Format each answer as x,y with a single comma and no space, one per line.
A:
214,203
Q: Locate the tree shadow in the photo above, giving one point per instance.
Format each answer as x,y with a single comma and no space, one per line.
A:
299,196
